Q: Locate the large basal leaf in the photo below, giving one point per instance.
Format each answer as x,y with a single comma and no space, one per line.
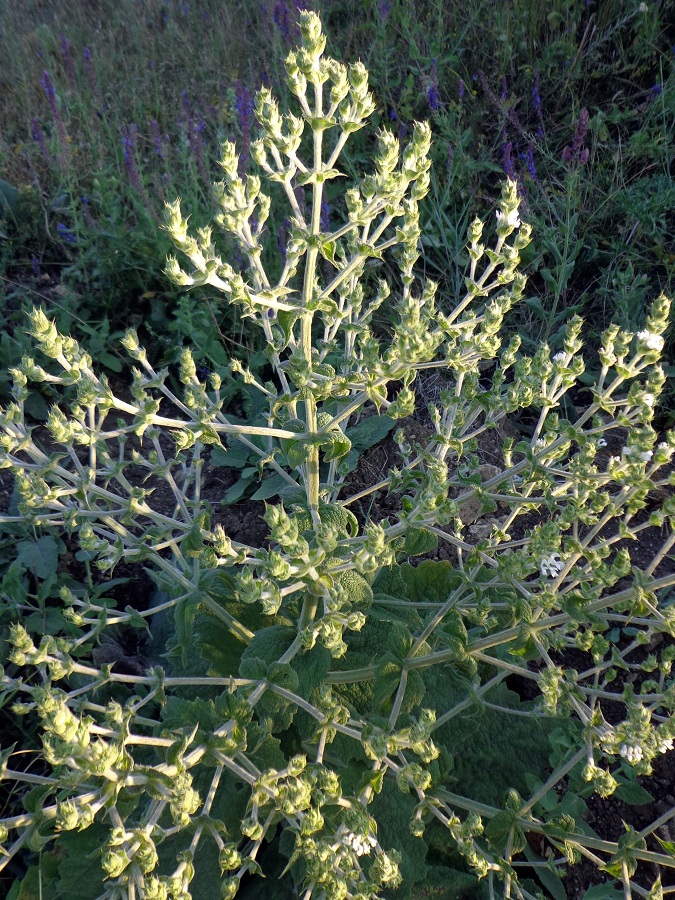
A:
40,557
393,811
444,883
270,487
432,581
270,644
363,436
389,581
492,750
218,646
80,874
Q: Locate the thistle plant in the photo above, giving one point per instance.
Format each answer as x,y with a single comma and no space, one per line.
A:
323,701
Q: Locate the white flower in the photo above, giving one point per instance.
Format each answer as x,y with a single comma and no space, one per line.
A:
614,460
665,745
601,442
649,339
649,399
663,446
361,844
560,357
540,442
551,565
512,220
643,8
632,753
635,454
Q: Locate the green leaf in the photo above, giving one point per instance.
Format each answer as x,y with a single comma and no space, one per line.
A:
389,581
192,544
633,793
359,591
286,319
38,882
269,488
444,883
369,432
479,736
235,457
297,453
80,876
548,877
417,542
668,846
181,713
366,434
253,668
603,892
36,406
499,827
335,445
47,621
431,581
333,514
312,667
218,646
270,644
9,199
237,491
283,675
40,557
109,361
393,811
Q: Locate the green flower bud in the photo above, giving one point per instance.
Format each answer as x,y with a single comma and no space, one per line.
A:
115,861
156,889
229,888
230,858
251,828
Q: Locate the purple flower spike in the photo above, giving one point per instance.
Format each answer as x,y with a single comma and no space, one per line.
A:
576,152
507,160
50,94
243,103
536,103
197,147
128,135
91,77
66,234
39,138
385,8
432,91
48,88
280,17
68,61
325,215
157,138
529,160
536,97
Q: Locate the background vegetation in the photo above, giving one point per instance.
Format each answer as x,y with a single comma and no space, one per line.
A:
109,108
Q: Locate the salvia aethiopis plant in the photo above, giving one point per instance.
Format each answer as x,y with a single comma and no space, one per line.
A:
326,712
